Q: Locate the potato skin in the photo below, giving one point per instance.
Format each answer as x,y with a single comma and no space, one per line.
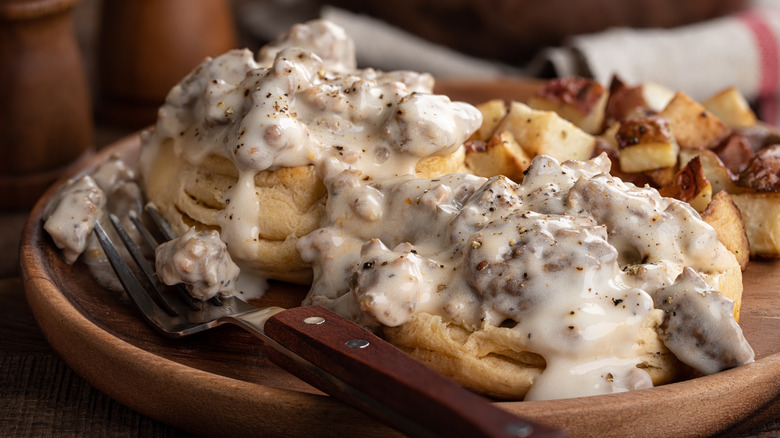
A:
762,172
626,102
580,100
646,144
690,185
649,129
581,93
735,152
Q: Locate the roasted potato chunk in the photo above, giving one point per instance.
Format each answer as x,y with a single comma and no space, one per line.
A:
690,185
735,152
500,156
760,210
760,135
645,143
762,172
726,218
493,111
626,102
708,147
761,214
661,177
731,107
638,179
579,100
608,138
545,132
692,125
714,170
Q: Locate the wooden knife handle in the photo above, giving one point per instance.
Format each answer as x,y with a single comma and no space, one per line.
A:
385,382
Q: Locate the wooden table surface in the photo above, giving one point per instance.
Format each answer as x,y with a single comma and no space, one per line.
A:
40,396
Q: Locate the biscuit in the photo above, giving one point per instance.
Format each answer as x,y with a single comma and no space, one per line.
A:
488,361
292,204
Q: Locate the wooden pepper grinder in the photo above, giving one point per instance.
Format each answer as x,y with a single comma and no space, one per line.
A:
147,46
45,110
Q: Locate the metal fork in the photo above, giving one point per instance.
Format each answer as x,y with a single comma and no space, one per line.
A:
322,348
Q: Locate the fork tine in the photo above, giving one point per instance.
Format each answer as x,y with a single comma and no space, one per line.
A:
144,265
183,295
180,317
216,300
150,241
162,224
126,276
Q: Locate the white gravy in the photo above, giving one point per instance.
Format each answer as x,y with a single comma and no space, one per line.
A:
200,260
304,103
546,256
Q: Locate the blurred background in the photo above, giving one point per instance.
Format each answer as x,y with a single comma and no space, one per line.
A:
78,74
515,31
699,46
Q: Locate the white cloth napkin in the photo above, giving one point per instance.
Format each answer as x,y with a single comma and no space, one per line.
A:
739,50
700,59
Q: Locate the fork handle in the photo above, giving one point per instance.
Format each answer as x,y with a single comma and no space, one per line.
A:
381,380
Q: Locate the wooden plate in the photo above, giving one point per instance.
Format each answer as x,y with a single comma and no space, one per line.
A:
220,384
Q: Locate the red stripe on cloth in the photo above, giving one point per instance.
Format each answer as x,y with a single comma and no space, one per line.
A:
769,74
768,110
768,51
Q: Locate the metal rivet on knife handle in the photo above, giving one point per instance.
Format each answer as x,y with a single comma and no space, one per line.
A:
357,343
314,320
520,430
